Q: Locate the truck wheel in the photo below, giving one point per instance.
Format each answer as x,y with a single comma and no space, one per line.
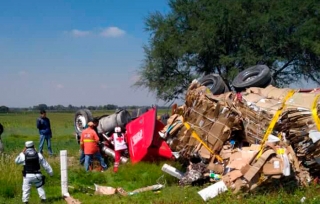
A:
81,119
255,76
1,129
214,82
226,89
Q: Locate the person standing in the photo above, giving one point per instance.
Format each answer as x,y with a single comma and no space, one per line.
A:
95,125
119,146
89,144
43,124
31,161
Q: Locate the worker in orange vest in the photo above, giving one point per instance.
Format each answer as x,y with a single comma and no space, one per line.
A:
89,144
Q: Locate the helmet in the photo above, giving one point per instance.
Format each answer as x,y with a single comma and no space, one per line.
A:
117,129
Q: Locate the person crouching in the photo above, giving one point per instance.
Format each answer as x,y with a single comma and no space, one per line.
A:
31,161
89,144
119,146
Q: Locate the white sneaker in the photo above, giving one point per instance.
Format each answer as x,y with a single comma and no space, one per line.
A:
162,135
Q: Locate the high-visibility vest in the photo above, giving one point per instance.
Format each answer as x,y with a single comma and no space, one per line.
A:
89,140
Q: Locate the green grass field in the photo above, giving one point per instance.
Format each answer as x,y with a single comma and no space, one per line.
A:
21,127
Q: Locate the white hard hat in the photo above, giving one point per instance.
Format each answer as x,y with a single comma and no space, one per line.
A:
117,129
29,144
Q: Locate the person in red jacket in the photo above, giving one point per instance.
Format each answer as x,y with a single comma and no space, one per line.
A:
89,144
119,146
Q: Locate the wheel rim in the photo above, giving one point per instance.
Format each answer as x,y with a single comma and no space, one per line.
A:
80,122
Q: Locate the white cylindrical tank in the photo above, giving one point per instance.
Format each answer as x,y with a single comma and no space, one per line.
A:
108,123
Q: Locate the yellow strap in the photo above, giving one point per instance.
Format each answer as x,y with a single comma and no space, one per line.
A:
88,140
315,112
196,136
280,151
274,121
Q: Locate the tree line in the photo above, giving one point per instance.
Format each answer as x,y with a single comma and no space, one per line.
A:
5,109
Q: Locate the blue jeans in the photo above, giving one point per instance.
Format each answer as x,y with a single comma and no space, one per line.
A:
82,157
46,138
88,159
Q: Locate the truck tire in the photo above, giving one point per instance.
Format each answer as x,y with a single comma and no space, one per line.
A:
255,76
226,89
81,119
214,82
1,129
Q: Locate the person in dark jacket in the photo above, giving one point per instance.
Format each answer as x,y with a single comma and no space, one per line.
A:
43,124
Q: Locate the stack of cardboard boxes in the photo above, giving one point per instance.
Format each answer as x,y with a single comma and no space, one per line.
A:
266,133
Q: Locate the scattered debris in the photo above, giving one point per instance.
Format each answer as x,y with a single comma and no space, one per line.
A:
213,190
249,138
172,171
104,190
107,190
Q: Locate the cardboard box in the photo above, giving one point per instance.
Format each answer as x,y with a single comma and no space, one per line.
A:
273,166
241,158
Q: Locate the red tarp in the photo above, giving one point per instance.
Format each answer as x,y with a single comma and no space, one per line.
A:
143,138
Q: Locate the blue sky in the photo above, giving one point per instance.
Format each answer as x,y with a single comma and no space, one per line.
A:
77,52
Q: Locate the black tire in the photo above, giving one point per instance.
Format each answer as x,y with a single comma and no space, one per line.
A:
214,82
256,76
226,89
1,129
81,118
89,114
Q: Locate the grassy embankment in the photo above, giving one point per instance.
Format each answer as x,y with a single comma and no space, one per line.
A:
21,127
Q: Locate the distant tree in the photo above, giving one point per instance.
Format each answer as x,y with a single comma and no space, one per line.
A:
70,107
4,109
40,107
225,37
111,107
91,107
59,107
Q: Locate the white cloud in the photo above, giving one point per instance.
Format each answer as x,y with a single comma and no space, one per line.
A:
112,32
108,32
80,33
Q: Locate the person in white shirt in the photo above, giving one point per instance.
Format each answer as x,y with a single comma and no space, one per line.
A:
31,161
120,145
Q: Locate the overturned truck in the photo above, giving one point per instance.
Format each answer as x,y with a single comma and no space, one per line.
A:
141,129
244,138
